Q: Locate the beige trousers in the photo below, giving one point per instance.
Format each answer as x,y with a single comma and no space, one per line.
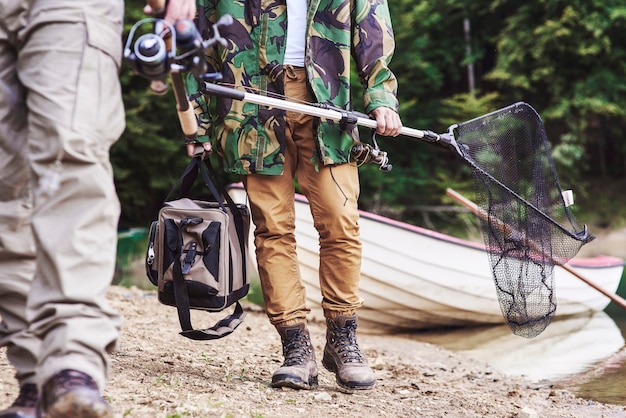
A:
60,112
332,193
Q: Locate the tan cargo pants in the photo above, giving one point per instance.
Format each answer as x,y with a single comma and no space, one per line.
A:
332,193
60,112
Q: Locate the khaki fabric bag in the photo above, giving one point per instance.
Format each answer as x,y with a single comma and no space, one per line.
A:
197,254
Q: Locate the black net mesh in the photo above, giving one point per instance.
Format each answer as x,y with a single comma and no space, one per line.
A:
526,224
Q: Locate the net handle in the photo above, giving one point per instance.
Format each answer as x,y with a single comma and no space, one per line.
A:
618,300
338,115
445,140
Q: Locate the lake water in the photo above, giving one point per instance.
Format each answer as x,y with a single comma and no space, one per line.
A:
589,349
609,382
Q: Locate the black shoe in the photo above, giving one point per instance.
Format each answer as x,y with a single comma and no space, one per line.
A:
299,371
71,393
25,406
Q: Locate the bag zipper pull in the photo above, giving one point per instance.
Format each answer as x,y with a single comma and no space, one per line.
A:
150,258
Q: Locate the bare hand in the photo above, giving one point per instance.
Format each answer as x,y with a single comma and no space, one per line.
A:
198,148
176,9
387,120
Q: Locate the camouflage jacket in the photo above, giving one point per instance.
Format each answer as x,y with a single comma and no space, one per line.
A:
251,138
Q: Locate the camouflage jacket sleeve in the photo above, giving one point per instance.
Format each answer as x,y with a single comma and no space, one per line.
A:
373,47
337,30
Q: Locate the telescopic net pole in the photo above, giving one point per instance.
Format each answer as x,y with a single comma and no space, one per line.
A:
307,109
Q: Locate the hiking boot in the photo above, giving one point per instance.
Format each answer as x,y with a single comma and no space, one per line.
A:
299,371
343,357
71,393
25,405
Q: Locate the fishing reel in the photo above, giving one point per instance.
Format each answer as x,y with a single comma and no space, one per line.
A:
364,153
169,48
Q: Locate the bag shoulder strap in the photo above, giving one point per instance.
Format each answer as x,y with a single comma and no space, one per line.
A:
188,178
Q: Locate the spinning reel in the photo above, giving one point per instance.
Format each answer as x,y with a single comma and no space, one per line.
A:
364,153
171,48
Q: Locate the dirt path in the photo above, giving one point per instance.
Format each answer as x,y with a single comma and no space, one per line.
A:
157,373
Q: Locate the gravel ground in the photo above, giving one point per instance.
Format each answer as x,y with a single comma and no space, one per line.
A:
158,373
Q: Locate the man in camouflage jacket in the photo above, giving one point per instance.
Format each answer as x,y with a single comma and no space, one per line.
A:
270,147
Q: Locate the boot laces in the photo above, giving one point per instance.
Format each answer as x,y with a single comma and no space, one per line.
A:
28,396
296,350
344,341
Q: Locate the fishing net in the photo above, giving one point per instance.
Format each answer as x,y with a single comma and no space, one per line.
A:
527,224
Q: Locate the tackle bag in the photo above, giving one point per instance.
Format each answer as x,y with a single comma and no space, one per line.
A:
197,253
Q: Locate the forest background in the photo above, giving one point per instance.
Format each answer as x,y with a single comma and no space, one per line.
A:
455,60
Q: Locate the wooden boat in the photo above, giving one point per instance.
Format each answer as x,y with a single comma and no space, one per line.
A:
415,279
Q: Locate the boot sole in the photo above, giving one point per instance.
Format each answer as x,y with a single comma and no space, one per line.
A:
79,409
288,381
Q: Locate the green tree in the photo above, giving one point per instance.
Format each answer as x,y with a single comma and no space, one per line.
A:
431,62
150,155
568,58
